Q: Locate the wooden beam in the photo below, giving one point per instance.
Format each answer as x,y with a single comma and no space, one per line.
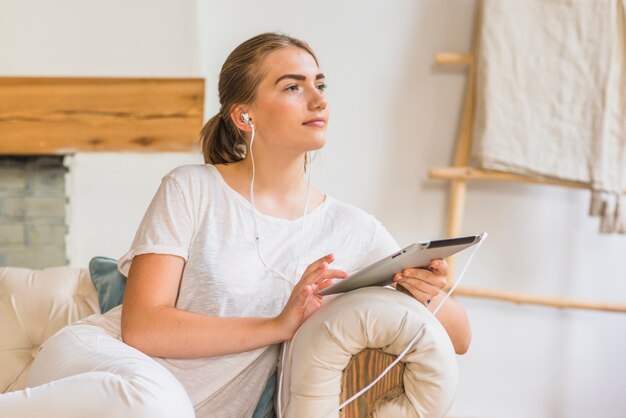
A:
469,173
447,58
557,302
66,115
456,209
458,187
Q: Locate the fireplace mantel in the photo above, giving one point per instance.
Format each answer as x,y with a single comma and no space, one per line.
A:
43,115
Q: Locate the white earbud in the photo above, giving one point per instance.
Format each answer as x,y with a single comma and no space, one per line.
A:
245,117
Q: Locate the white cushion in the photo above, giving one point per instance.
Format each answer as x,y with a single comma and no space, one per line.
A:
34,304
371,317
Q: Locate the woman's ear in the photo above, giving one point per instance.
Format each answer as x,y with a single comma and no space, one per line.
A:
241,118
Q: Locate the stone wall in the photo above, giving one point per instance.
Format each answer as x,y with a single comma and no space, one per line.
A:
32,211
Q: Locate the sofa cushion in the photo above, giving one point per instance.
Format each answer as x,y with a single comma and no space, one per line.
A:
34,304
108,281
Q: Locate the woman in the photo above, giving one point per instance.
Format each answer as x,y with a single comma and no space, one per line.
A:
227,260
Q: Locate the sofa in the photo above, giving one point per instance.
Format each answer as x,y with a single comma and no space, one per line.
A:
336,352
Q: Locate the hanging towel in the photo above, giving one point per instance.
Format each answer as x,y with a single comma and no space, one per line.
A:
551,95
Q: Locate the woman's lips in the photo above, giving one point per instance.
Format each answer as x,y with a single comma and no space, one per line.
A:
320,123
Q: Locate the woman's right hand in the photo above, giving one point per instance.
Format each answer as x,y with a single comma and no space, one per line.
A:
304,299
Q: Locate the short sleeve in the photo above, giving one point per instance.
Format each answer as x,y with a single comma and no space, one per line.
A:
382,245
166,228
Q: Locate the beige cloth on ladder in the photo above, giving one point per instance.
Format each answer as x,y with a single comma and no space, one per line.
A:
551,95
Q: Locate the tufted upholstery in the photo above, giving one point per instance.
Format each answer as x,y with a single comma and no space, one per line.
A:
34,304
371,317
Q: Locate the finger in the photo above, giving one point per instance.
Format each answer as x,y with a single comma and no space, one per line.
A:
421,286
416,293
324,275
439,266
327,259
324,284
299,296
429,277
311,275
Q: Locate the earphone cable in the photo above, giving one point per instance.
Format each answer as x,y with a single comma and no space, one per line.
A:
256,227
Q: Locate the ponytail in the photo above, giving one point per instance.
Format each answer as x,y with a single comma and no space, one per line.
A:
221,143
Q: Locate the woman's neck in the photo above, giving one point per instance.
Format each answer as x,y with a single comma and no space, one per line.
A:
276,176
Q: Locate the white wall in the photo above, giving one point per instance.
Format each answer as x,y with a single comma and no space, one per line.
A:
108,192
394,115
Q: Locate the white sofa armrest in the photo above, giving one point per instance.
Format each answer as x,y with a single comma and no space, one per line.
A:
35,304
370,318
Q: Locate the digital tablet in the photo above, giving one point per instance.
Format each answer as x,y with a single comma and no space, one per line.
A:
417,255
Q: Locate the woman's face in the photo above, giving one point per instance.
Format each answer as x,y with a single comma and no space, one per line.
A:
290,111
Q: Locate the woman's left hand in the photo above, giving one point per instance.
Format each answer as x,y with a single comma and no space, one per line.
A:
423,284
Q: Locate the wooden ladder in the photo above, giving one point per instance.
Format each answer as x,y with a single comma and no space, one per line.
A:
460,173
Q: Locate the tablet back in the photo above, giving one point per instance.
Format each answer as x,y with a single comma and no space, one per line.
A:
417,255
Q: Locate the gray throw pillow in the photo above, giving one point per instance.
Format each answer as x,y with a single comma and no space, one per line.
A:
108,281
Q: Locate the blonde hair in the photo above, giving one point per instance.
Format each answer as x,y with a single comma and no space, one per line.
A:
222,142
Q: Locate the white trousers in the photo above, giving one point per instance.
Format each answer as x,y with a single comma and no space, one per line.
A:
84,372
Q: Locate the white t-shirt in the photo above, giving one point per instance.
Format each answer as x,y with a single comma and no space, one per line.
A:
196,215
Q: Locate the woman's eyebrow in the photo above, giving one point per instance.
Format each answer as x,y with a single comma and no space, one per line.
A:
297,77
